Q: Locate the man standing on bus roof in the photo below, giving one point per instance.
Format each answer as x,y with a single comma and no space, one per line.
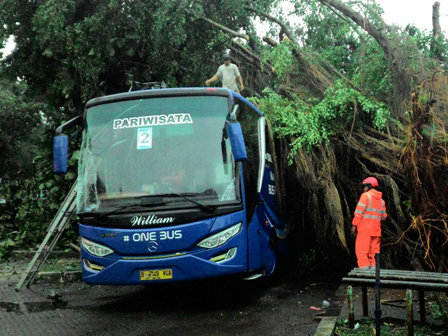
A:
228,74
370,211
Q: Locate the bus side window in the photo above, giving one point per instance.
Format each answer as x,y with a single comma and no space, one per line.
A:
249,124
274,178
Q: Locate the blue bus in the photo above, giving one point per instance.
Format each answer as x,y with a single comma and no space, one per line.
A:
175,184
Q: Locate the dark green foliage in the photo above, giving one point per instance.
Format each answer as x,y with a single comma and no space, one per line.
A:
72,51
21,124
31,191
32,200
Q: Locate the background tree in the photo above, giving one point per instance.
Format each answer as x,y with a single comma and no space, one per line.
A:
27,184
68,52
21,123
72,51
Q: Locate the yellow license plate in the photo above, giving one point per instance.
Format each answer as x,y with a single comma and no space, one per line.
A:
156,274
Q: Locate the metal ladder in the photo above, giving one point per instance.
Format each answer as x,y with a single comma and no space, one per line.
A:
55,230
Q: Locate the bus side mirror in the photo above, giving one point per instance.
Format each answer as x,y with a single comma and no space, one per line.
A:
60,146
60,153
235,135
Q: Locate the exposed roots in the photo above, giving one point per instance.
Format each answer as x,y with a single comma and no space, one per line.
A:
425,163
411,165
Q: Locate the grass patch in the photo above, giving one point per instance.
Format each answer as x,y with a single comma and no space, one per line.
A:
61,265
367,328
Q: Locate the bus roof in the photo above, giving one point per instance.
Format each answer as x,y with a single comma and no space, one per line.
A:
172,92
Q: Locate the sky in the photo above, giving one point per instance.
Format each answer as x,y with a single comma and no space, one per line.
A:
401,12
418,12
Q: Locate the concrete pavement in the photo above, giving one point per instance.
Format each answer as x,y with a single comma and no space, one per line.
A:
277,306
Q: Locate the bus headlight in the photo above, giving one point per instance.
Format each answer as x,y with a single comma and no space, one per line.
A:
220,238
95,249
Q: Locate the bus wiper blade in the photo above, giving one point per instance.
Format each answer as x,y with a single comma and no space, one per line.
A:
123,207
183,195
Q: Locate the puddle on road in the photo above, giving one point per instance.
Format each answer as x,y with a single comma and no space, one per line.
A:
33,307
37,307
10,307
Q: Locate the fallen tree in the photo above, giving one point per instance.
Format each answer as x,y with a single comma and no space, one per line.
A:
401,140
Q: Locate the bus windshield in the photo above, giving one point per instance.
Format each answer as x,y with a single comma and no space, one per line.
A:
158,146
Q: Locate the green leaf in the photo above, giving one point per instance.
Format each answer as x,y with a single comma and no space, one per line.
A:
9,242
22,213
70,175
75,155
47,52
132,36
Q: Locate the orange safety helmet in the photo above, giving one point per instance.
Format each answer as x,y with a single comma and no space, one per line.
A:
372,181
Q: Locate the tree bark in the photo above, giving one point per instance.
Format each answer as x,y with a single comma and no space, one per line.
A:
436,31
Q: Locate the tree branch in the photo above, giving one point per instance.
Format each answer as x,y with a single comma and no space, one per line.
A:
246,57
283,26
255,59
245,50
270,41
361,36
316,77
362,22
396,60
225,29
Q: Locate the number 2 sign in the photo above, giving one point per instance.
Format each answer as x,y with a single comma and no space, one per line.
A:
144,138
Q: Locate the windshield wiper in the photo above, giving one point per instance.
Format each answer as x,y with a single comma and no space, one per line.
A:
142,204
184,196
155,200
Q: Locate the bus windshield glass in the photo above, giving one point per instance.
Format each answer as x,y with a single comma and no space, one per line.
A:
158,146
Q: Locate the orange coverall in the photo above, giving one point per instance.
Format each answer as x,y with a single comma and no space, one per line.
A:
370,211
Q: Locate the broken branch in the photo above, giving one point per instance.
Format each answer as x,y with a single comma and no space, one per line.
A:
225,29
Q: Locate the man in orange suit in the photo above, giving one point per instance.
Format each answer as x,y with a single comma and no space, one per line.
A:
370,211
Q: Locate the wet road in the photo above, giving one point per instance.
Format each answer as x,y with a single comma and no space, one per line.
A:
279,305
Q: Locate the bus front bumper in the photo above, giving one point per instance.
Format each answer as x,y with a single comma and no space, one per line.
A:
175,267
